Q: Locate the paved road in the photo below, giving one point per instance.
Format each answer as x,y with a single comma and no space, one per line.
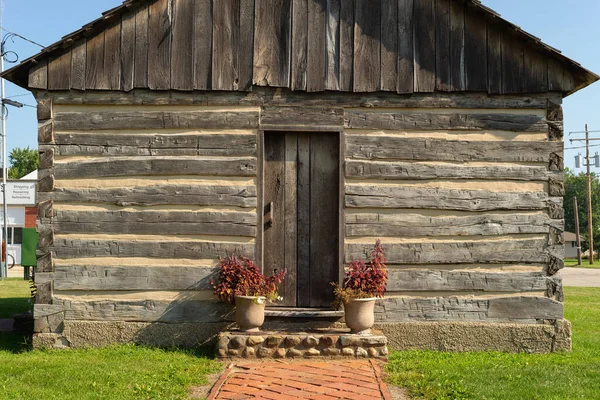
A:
584,277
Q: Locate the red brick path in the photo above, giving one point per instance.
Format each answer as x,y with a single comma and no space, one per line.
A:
325,380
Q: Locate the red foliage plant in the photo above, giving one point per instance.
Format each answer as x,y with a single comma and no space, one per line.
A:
365,279
241,277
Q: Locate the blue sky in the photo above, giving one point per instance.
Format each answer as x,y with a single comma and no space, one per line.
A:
572,27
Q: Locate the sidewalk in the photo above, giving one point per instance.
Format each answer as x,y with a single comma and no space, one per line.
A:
582,277
316,380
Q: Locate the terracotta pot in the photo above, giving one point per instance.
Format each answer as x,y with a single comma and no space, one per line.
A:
250,312
359,315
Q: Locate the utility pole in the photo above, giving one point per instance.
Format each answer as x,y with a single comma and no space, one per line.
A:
577,235
589,196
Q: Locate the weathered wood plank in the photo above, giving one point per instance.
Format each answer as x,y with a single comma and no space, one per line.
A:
59,71
367,46
151,310
94,65
346,45
476,67
45,236
246,44
142,166
152,195
442,51
402,148
38,75
416,280
494,57
128,43
416,171
457,121
332,79
536,72
44,109
159,45
65,248
316,58
182,53
45,263
43,293
157,120
512,64
203,42
272,45
112,58
203,144
119,278
225,66
389,46
406,62
46,159
299,68
457,46
366,196
407,224
152,222
46,131
290,236
425,25
142,41
458,252
555,75
526,309
262,96
294,117
303,225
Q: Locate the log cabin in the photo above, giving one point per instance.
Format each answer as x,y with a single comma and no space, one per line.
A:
296,133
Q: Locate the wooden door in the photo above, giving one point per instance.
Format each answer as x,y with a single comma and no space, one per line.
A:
301,214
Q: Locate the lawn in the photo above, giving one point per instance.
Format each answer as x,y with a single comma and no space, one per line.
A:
120,372
576,375
14,297
585,263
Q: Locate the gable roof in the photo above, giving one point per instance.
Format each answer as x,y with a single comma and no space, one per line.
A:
310,45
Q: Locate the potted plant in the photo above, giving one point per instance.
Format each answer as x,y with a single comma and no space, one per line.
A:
241,283
365,281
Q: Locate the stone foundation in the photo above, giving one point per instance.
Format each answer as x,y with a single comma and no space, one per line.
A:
327,343
443,336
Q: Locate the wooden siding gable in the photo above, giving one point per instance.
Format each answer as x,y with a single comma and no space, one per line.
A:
402,46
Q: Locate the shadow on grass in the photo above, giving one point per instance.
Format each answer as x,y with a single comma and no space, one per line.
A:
14,342
13,305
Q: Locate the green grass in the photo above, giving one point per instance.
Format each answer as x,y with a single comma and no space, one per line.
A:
571,262
502,376
14,297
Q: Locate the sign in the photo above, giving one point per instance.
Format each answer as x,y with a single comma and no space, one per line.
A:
19,193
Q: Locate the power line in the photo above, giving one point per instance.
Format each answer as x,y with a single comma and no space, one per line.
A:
24,38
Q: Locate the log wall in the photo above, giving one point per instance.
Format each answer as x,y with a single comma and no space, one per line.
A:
140,194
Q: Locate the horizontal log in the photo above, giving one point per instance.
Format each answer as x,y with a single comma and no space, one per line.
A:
415,224
414,171
45,263
459,281
65,248
115,120
522,309
294,117
274,96
364,196
158,194
179,311
44,109
46,131
155,222
142,144
423,121
382,147
144,166
458,252
108,278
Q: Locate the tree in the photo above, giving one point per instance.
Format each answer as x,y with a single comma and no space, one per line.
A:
23,162
576,186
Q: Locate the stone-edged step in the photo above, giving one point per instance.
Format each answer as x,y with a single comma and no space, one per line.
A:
282,312
338,343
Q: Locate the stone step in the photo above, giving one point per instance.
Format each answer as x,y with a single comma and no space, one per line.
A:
336,343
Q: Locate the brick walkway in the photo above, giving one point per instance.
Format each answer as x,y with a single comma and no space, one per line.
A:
316,380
